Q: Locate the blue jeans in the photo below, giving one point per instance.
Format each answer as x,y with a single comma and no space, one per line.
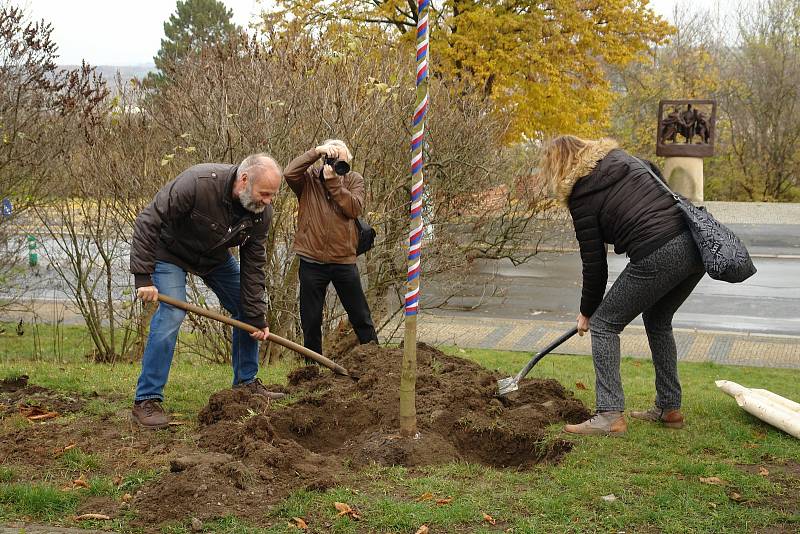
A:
170,280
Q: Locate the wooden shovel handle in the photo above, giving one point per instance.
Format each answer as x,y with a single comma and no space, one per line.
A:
319,358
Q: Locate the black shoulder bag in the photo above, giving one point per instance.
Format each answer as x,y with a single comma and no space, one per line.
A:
366,233
724,255
366,236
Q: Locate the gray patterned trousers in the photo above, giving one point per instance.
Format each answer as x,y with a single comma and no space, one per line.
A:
654,286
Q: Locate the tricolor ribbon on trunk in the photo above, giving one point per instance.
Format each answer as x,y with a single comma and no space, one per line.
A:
416,230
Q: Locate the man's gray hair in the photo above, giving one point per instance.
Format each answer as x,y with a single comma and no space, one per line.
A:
341,143
256,160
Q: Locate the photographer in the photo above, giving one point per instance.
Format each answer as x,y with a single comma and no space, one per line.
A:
330,198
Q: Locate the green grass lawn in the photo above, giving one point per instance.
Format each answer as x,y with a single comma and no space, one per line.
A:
653,473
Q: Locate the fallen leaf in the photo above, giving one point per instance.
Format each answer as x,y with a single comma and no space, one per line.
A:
763,471
609,498
446,500
580,385
344,509
80,482
715,481
735,497
751,445
68,447
127,497
489,519
42,417
36,413
84,517
117,480
422,530
427,496
299,523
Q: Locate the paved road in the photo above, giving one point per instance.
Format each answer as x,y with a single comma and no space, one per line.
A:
548,289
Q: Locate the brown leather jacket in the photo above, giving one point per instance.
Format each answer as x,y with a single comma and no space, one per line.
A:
325,229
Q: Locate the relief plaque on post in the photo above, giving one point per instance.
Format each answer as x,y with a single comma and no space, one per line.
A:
684,136
686,128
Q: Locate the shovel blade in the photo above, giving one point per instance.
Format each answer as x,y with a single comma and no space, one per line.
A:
507,385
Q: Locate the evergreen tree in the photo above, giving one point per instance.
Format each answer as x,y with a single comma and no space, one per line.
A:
194,24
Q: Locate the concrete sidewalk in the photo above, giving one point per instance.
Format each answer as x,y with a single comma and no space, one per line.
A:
529,335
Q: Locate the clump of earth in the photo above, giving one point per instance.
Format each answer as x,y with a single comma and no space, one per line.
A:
251,451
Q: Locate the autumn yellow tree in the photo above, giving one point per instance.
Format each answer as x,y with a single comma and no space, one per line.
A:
544,60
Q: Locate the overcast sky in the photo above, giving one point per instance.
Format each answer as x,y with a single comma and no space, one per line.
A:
117,32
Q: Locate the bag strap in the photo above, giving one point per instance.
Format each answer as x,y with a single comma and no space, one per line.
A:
659,180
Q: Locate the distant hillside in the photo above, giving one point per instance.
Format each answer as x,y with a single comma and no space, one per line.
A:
126,72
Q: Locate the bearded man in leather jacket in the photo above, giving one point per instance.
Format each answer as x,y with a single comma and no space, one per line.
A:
189,227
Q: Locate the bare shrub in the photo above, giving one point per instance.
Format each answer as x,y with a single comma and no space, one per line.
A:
287,93
40,105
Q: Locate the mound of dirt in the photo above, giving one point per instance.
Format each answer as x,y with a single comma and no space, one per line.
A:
16,393
257,451
458,413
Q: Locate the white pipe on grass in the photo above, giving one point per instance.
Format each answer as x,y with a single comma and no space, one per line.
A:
778,411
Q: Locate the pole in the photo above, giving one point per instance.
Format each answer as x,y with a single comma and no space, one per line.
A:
33,256
408,376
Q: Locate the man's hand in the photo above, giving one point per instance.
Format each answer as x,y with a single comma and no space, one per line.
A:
329,151
147,293
583,324
261,335
328,173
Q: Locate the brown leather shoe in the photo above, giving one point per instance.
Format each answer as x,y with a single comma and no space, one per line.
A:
668,418
256,387
601,424
149,414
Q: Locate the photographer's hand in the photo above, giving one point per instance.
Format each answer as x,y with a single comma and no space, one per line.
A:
328,151
328,173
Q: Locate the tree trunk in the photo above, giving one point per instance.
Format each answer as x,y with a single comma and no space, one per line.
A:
408,380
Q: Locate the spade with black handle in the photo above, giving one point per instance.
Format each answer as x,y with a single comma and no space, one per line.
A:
510,384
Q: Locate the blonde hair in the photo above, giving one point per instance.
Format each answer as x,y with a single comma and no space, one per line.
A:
565,156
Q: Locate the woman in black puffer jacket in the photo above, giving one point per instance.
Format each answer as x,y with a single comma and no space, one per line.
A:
614,200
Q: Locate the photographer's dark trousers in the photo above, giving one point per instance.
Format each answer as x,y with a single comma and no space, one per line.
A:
314,280
654,286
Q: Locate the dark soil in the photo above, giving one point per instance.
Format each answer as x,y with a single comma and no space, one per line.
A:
248,452
256,451
16,393
787,476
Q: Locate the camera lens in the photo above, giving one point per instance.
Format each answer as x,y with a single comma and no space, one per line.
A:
341,167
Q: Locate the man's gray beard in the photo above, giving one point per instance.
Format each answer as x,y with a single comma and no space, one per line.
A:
247,201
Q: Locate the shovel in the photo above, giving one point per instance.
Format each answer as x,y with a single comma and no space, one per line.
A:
319,358
510,384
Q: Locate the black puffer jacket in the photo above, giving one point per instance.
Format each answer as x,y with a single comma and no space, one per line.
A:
613,199
192,222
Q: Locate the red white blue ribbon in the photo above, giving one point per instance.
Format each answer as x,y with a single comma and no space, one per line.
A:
416,230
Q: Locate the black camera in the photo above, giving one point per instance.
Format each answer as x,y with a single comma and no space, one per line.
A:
340,167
